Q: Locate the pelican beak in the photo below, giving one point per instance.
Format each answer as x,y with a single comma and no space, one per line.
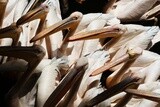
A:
33,54
130,55
119,87
110,65
69,23
75,86
144,94
72,77
11,32
8,28
110,31
38,13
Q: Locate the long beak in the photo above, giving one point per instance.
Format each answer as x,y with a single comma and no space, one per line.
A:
38,13
128,96
130,55
144,94
110,31
110,65
72,94
8,28
3,4
33,55
66,83
120,87
69,22
11,32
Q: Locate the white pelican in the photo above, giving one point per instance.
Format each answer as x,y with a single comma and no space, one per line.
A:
49,79
74,75
130,10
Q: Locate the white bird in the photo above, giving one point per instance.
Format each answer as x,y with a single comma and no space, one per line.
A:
86,46
141,40
49,79
132,10
95,59
69,23
90,22
69,83
130,31
90,17
56,38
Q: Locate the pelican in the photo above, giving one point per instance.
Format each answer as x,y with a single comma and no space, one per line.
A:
81,29
38,13
125,32
71,22
49,79
55,40
146,72
56,27
143,42
35,14
91,22
75,74
14,30
111,91
151,33
92,35
127,11
36,53
49,31
109,19
72,98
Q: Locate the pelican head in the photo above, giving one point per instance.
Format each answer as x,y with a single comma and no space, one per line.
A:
69,23
109,31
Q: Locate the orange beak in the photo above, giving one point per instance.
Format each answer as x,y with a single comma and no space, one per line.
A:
130,55
73,77
144,94
70,22
110,31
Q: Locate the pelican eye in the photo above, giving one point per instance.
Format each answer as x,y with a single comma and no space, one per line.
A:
118,29
75,18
